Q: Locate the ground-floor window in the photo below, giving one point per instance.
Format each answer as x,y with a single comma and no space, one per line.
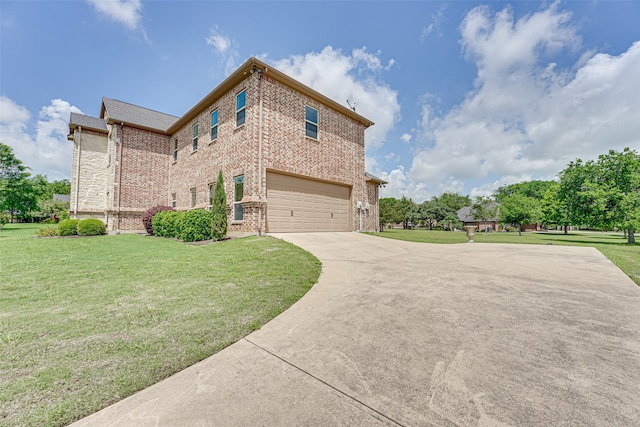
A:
238,192
193,198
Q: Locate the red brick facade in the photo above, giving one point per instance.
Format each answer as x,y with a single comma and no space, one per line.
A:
271,139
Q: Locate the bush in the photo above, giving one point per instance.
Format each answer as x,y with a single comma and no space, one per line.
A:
48,221
68,227
166,223
195,225
91,227
147,218
47,232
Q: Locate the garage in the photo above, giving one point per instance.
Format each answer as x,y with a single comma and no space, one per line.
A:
297,204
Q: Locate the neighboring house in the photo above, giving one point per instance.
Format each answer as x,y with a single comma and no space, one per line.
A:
292,159
64,198
491,224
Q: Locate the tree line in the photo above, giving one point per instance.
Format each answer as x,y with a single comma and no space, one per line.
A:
28,198
600,194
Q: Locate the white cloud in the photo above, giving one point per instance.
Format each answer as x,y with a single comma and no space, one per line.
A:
406,137
354,77
126,12
225,47
434,24
46,151
527,117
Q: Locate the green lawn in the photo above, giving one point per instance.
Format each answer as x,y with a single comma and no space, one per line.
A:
613,245
85,322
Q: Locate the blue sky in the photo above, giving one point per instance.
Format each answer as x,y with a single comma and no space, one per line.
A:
466,96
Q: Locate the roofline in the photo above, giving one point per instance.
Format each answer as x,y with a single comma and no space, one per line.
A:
74,126
240,74
375,179
115,121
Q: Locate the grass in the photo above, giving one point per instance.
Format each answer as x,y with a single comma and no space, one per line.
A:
86,322
612,245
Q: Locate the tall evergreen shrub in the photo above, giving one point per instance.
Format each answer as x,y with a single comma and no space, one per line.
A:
219,210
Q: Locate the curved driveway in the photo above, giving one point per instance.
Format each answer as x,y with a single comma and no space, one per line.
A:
401,333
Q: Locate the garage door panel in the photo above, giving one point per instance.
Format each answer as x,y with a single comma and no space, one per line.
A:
316,206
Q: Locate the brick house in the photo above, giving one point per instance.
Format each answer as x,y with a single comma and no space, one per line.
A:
292,159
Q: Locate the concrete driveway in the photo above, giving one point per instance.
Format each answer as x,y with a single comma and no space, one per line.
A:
400,333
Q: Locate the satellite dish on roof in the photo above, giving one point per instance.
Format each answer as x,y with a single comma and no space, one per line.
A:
353,107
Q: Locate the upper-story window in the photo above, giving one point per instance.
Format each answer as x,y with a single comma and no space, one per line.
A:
214,125
311,122
194,142
241,107
175,149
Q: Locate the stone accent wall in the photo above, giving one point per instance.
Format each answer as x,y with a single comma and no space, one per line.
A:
372,215
89,187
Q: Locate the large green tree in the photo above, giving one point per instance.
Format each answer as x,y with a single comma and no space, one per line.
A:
453,200
519,209
534,189
432,212
389,212
604,193
553,210
17,193
407,210
484,209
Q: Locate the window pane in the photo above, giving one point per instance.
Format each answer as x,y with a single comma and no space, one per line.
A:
214,118
240,118
239,188
311,114
237,212
312,130
214,132
195,144
195,130
241,100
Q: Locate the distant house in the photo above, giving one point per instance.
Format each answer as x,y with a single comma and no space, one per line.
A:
292,159
491,224
64,198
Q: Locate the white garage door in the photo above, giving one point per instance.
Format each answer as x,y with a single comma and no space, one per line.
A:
299,204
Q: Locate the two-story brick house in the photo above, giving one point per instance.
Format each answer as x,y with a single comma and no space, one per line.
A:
292,159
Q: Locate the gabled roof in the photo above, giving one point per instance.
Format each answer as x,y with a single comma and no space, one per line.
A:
86,122
123,112
374,179
241,73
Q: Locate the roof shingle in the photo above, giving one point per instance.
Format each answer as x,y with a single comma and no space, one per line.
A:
87,122
119,111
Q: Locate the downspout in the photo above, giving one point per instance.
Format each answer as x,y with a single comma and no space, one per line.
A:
260,153
75,208
121,140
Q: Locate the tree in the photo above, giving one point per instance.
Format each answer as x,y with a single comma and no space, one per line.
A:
219,210
604,193
453,200
407,211
17,193
519,209
451,222
432,212
553,210
484,209
534,189
389,212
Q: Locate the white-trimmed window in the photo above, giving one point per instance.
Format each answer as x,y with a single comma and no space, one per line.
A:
241,107
175,150
193,198
238,192
194,141
311,122
173,200
214,125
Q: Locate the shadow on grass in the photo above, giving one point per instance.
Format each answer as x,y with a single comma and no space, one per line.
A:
594,242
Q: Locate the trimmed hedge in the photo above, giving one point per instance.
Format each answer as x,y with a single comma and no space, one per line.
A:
147,218
68,227
190,226
195,225
165,224
91,227
47,232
